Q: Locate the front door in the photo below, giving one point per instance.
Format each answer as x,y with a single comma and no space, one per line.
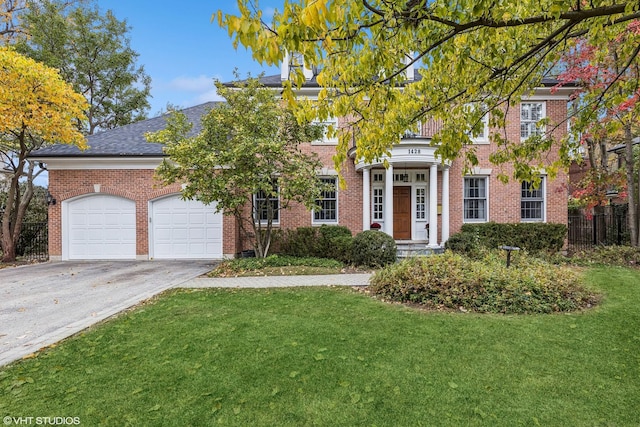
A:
402,213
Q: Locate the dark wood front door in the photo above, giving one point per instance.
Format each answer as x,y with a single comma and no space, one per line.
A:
402,213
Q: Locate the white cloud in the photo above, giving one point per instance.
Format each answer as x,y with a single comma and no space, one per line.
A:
192,84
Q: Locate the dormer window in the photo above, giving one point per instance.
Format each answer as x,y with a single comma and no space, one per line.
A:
294,61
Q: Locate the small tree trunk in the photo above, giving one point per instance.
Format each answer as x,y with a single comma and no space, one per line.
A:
631,193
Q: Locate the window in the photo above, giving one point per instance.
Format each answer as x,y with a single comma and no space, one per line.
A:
532,202
378,203
530,114
415,131
401,177
331,122
327,204
480,134
475,199
378,177
267,205
421,206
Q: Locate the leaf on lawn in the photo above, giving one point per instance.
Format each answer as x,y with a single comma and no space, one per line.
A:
293,374
344,383
319,356
275,391
355,398
360,358
138,390
323,349
154,408
236,410
452,384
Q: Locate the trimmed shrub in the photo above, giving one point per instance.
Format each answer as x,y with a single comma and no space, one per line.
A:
301,242
454,281
531,236
465,243
373,249
326,241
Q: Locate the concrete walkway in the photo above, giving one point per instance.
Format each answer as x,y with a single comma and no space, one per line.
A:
42,304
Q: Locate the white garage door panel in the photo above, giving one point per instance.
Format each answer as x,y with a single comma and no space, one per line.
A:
185,229
101,227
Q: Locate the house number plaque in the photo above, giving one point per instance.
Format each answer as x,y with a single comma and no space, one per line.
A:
414,151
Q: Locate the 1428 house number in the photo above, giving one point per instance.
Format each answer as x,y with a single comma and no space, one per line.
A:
414,151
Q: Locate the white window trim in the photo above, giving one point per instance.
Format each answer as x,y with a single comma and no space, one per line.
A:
264,221
315,221
486,199
373,218
331,121
543,187
543,114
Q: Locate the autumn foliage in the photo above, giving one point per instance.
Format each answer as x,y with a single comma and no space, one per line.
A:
37,107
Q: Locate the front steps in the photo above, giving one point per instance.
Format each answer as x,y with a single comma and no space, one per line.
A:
411,248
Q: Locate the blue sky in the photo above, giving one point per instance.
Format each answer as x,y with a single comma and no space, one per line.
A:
182,49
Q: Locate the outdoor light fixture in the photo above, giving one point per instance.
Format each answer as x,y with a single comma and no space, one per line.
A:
50,199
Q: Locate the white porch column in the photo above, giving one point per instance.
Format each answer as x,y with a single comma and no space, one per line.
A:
366,198
445,204
388,201
433,205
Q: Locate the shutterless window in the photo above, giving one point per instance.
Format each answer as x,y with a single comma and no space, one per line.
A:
267,205
328,203
532,202
378,203
530,114
421,205
475,199
333,123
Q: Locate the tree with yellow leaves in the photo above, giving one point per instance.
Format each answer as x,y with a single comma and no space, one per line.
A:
37,107
483,53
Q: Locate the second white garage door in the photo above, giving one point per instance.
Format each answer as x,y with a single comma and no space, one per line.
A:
184,229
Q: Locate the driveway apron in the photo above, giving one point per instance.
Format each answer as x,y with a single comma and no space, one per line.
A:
43,303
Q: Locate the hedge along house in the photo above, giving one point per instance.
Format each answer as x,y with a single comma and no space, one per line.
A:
110,206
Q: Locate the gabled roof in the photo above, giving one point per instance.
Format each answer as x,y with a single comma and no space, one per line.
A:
126,141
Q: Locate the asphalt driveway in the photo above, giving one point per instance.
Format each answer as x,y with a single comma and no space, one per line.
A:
43,303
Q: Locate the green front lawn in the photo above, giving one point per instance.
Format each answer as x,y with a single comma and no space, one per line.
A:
335,357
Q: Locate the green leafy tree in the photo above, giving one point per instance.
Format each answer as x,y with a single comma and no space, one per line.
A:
486,53
92,51
247,159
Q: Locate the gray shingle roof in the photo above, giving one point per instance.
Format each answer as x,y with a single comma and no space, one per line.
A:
126,141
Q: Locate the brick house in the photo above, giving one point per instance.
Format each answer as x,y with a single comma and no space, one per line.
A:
110,206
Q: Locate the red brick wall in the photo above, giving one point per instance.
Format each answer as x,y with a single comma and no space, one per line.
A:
504,199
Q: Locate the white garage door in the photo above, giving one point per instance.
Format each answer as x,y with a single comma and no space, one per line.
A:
101,227
185,229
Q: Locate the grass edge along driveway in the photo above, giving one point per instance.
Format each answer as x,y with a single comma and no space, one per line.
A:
331,356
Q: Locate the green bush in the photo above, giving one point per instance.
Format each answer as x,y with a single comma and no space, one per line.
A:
531,236
465,243
454,281
624,256
301,242
373,249
341,249
326,241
